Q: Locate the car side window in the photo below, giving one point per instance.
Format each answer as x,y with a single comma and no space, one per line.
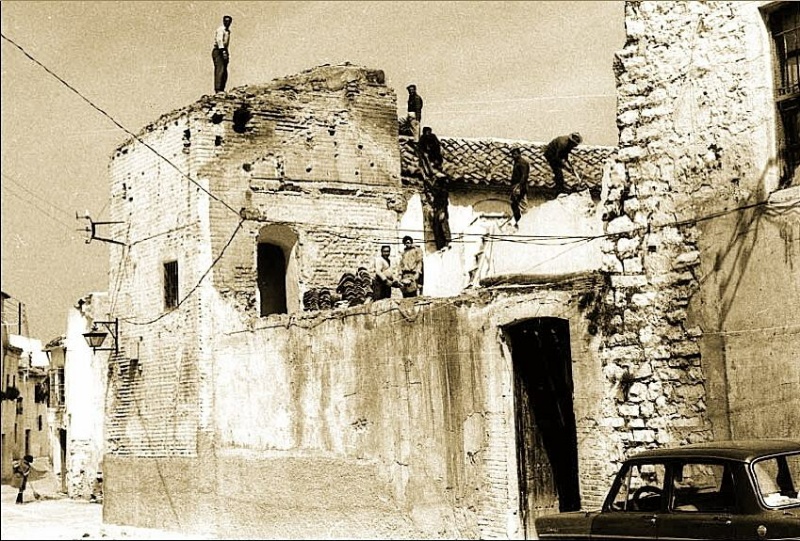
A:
641,488
703,488
777,479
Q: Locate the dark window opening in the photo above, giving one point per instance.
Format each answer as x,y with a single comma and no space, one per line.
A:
784,25
171,284
272,279
40,423
547,443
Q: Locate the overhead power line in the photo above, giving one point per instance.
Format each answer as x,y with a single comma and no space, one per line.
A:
117,123
35,195
22,197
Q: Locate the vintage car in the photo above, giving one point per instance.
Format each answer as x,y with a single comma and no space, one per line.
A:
718,490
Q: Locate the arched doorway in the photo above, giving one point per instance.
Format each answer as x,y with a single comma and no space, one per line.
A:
547,448
277,272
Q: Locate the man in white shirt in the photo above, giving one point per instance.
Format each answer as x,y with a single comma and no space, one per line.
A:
219,54
384,275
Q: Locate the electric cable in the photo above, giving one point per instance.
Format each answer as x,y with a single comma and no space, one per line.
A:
118,124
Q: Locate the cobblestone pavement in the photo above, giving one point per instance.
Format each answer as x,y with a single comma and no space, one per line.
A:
56,517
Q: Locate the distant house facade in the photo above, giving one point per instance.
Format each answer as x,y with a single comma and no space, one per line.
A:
24,392
76,402
618,317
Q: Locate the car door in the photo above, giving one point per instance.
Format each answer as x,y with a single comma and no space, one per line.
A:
702,501
634,504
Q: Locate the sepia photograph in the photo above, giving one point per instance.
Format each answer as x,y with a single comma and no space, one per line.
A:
400,270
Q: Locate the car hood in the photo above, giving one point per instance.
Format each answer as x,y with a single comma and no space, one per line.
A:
565,525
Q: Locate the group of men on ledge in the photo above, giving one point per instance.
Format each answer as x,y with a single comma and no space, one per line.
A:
409,277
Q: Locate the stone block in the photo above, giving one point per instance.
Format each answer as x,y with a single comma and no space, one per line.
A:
626,247
637,392
643,299
625,282
612,422
628,117
687,259
623,224
629,410
632,153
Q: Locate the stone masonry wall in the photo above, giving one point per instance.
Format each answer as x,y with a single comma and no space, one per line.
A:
695,127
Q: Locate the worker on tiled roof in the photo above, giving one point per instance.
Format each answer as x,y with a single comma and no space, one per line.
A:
557,154
519,184
431,148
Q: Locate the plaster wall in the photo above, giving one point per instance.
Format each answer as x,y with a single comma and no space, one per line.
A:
487,247
85,376
407,402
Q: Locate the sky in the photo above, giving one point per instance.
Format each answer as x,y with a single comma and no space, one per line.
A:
511,70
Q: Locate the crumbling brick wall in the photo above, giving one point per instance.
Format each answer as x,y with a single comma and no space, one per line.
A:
316,152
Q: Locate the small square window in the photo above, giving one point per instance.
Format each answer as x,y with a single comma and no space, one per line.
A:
171,284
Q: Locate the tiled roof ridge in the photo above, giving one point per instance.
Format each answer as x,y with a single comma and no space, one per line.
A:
487,161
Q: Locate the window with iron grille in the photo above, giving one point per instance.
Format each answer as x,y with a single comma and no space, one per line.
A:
171,284
783,20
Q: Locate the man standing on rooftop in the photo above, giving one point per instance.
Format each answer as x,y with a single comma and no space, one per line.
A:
220,54
414,110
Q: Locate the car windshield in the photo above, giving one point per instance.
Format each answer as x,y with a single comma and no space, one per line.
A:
778,480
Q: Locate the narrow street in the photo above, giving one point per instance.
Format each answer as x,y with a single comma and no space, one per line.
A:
57,517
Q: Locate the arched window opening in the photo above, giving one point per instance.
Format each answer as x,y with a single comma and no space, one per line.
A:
271,279
277,272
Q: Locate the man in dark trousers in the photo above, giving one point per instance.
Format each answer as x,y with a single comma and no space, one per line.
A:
411,273
384,275
519,184
414,109
557,155
220,54
23,470
438,196
431,148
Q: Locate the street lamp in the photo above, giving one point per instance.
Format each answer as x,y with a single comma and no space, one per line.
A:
96,337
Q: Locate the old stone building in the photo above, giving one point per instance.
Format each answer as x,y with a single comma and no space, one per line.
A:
633,310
